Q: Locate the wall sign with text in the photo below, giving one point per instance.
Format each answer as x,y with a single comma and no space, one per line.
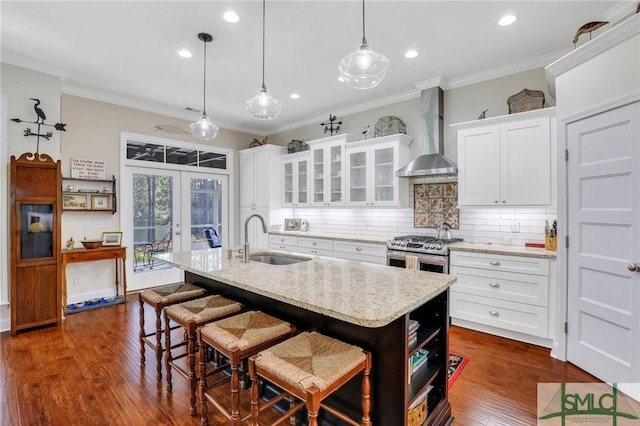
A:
88,169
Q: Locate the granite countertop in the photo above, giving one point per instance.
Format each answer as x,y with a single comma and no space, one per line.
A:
338,237
503,249
359,293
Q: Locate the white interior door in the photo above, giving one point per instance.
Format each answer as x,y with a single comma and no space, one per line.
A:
603,207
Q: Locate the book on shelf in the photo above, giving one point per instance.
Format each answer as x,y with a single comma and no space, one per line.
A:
418,359
413,335
413,326
412,340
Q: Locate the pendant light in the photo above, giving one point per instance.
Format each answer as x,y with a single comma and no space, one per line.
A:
262,106
364,68
204,128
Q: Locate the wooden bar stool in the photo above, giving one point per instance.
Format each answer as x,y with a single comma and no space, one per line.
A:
310,366
160,297
237,338
191,315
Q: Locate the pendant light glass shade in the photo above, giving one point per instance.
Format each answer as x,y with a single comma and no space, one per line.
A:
263,106
204,128
364,68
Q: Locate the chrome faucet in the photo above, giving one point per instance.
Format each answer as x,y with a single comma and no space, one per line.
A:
245,246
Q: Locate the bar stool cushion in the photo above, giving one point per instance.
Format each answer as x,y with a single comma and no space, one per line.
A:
171,293
309,359
244,331
202,310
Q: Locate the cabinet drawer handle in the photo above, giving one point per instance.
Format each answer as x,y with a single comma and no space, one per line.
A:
358,248
494,263
314,243
494,313
282,240
494,285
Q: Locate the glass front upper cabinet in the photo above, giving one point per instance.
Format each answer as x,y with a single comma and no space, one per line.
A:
295,179
327,184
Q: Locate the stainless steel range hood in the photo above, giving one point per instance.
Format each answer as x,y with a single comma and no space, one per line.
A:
432,162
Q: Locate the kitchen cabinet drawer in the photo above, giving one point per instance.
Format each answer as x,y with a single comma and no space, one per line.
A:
496,262
315,243
287,240
522,288
373,253
315,251
283,247
518,317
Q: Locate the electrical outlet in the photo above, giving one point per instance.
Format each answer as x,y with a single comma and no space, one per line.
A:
515,227
76,281
102,224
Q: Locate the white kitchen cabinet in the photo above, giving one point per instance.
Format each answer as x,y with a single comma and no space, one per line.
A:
295,179
260,189
315,246
503,295
370,171
364,252
328,171
283,242
508,161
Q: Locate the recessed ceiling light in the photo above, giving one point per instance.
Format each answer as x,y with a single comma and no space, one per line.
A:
294,96
185,53
507,20
410,54
231,17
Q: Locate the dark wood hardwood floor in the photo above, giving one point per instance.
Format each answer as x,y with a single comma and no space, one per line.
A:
88,372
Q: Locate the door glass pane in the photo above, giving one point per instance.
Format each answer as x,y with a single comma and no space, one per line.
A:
358,176
152,218
336,172
318,175
384,174
288,183
302,181
184,156
36,231
206,210
143,151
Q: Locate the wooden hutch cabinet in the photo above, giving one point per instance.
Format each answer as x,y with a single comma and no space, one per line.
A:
35,241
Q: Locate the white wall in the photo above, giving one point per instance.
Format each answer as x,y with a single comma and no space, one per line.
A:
17,85
460,104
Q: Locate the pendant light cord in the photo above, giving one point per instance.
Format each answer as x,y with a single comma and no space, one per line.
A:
204,85
263,32
364,40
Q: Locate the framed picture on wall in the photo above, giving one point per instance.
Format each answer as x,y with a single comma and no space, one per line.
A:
100,202
74,202
113,239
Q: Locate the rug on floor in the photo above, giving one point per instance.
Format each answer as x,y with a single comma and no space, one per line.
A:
93,304
456,364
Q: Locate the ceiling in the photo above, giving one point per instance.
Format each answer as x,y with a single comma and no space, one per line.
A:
125,52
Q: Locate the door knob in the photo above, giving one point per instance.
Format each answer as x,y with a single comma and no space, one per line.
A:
634,267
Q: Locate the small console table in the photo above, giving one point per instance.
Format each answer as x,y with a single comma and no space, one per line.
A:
86,255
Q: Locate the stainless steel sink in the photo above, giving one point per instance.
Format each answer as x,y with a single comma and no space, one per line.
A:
277,259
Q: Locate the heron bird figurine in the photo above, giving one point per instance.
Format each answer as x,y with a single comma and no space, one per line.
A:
39,111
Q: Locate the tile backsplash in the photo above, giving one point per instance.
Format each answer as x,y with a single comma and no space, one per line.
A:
435,203
492,225
487,225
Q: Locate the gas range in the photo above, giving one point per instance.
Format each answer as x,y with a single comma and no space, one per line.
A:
422,244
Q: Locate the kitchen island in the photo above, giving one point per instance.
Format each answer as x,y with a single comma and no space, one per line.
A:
363,304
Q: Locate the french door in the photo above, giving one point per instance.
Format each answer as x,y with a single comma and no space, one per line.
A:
168,211
603,188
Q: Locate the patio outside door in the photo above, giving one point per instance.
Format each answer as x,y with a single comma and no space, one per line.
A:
169,210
